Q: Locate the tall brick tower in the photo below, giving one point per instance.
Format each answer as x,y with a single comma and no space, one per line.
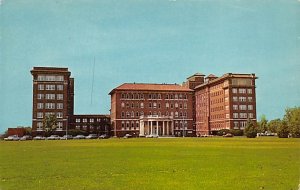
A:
53,93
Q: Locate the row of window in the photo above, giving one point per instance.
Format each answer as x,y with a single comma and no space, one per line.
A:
85,127
90,120
242,90
50,78
154,105
242,99
153,96
50,106
241,115
40,125
41,114
137,114
242,107
50,87
241,124
50,96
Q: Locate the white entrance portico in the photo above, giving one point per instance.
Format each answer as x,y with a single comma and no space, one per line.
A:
156,125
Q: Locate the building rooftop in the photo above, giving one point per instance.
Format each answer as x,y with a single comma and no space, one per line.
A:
50,69
152,87
225,76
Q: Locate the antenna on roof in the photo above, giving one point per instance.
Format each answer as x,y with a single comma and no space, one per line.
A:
93,81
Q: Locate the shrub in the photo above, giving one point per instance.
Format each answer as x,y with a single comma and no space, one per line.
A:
250,130
237,132
223,132
283,130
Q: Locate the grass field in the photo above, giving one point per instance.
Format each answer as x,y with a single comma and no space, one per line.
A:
175,163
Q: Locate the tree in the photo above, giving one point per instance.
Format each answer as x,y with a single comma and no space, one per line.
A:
292,119
273,125
50,124
250,130
283,130
262,124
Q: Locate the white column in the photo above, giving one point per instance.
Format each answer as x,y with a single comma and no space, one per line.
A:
142,133
151,131
168,130
157,128
172,128
148,127
163,132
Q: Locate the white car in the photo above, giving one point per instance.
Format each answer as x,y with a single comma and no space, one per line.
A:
151,136
54,137
12,138
39,138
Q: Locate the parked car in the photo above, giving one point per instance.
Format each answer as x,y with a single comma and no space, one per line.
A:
127,136
104,136
79,137
39,138
92,136
26,137
53,137
66,137
12,138
228,135
152,136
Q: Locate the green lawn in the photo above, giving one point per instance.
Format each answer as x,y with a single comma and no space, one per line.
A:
175,163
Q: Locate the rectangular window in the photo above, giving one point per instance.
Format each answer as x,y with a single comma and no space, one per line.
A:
234,90
243,107
250,115
60,87
226,99
40,125
59,105
50,96
59,78
59,126
41,78
243,115
50,87
235,115
242,99
40,106
39,115
142,105
84,120
59,115
91,120
226,107
60,96
154,105
243,124
227,115
242,91
250,107
185,105
40,96
77,120
235,107
40,87
236,124
50,105
235,98
249,91
249,99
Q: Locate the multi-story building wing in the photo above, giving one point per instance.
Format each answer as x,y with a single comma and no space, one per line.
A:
152,109
98,124
226,102
53,94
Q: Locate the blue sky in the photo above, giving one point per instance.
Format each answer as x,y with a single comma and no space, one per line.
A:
147,41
